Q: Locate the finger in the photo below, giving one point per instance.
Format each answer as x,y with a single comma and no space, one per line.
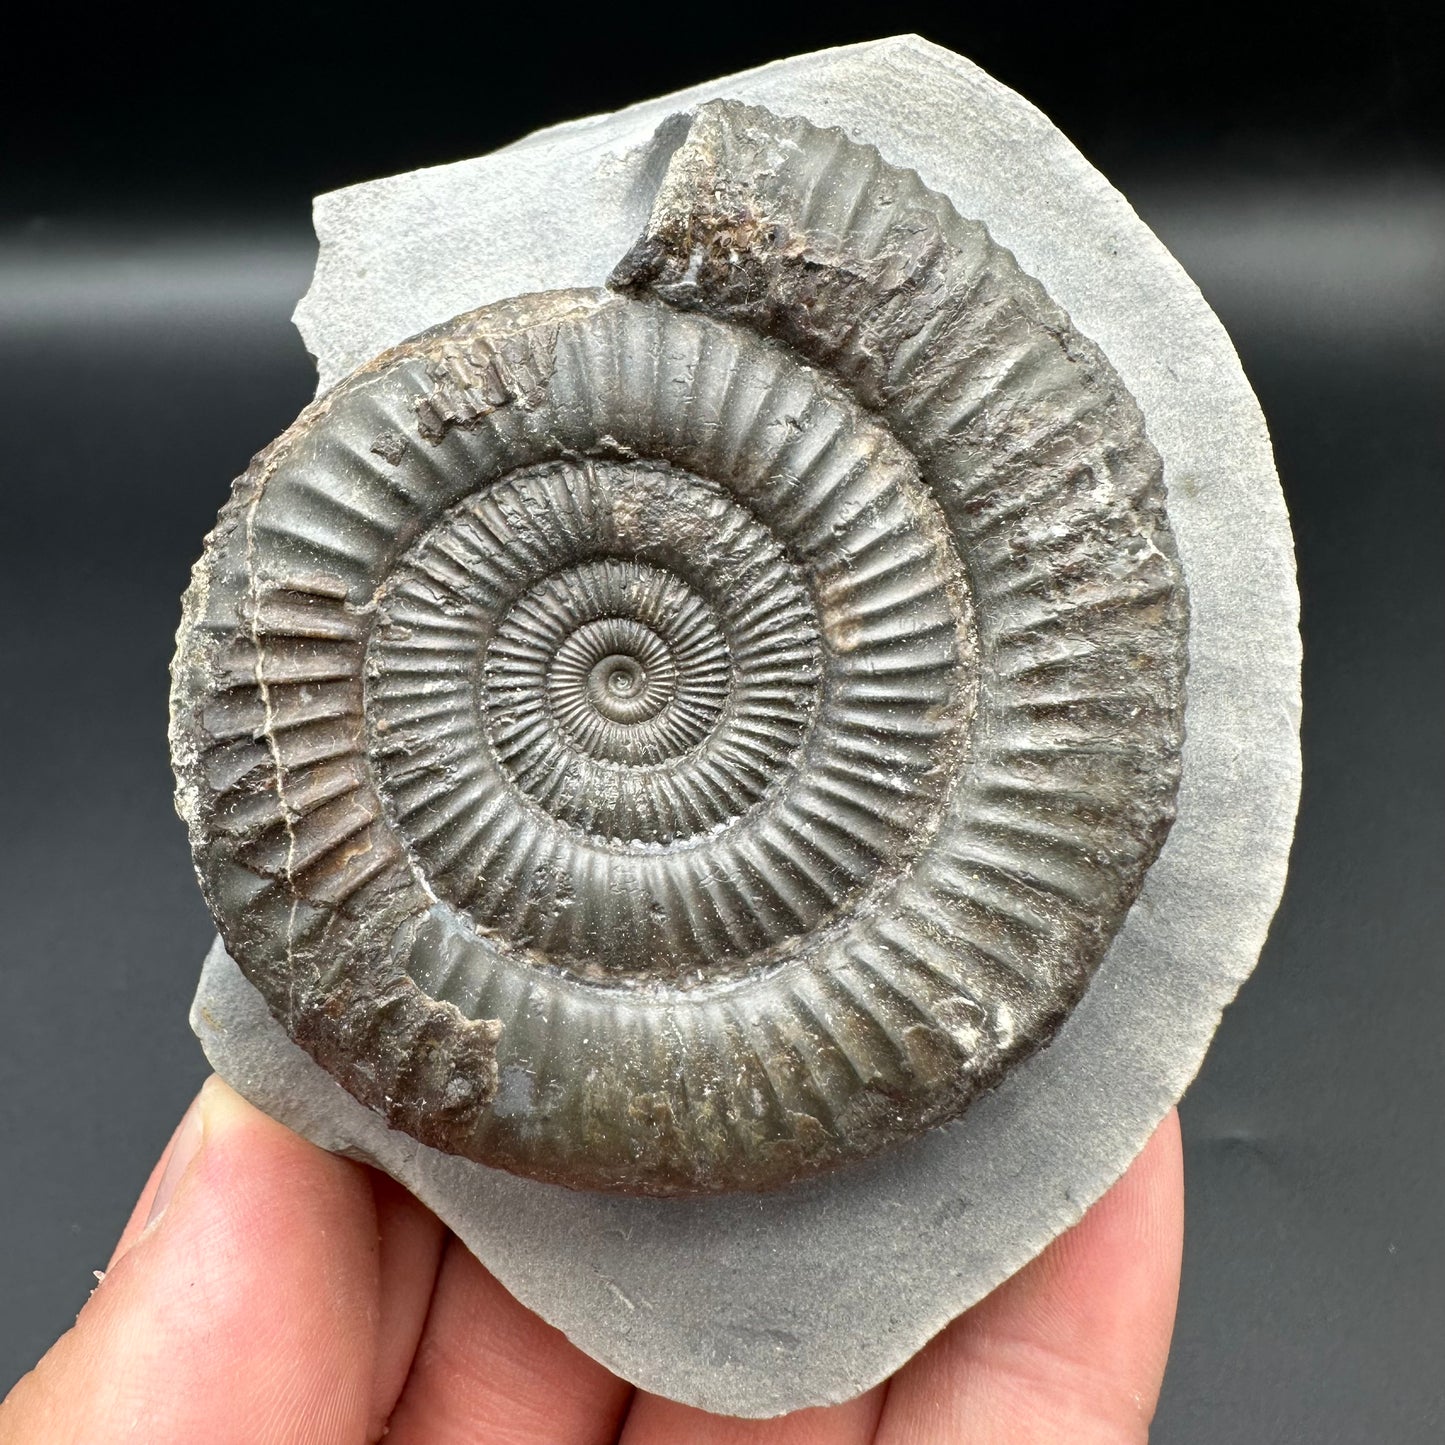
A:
489,1369
178,1151
655,1421
1071,1348
411,1240
245,1310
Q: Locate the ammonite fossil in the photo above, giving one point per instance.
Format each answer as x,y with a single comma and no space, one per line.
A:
684,736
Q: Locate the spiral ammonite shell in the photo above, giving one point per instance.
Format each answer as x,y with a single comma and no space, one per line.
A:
684,736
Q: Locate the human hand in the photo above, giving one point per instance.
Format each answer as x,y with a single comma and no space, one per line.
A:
265,1292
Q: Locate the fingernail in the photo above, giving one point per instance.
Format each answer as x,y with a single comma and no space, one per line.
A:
185,1143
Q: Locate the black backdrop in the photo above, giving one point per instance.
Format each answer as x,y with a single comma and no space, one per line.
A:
153,237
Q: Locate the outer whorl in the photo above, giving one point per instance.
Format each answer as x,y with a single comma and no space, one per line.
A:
682,737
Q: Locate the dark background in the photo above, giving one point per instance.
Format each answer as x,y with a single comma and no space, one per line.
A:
153,237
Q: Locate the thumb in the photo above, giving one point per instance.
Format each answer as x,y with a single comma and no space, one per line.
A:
240,1305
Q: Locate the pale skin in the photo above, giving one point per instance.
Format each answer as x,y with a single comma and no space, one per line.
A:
267,1293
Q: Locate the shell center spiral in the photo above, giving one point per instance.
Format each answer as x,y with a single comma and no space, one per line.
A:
592,692
638,685
632,726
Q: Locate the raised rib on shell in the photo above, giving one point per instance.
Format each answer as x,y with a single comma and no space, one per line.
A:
684,737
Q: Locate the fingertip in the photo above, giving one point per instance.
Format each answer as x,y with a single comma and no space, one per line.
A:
215,1105
246,1308
144,1210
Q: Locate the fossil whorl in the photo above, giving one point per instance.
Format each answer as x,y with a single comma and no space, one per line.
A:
684,736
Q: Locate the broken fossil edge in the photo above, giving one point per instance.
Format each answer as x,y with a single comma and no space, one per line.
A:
748,1305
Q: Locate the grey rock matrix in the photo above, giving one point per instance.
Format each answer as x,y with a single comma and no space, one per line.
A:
619,652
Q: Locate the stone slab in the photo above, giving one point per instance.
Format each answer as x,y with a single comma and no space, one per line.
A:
757,1305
